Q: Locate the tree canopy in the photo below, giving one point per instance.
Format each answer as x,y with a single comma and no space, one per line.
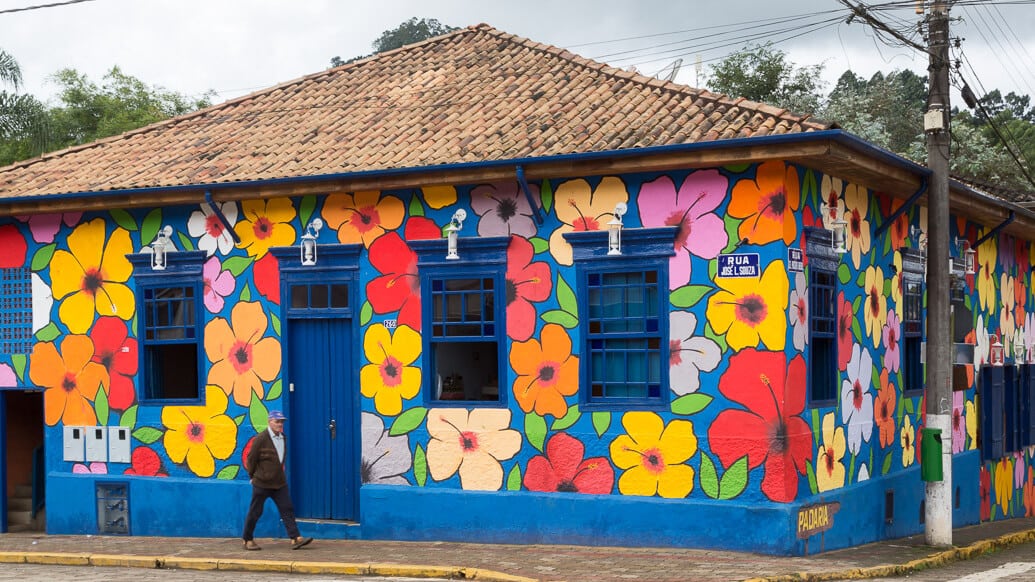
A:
409,32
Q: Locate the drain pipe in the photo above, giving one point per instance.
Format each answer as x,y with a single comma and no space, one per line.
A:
520,171
222,217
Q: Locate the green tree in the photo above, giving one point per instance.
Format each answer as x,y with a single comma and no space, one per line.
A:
765,75
886,110
409,32
23,127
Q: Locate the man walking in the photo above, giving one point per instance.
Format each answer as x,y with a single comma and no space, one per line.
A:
265,466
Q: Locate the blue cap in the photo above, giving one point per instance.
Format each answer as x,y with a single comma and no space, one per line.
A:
277,415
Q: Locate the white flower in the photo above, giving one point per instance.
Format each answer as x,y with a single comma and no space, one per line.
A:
981,351
42,302
798,312
213,234
689,354
856,399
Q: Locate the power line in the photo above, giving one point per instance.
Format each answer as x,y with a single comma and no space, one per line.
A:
39,6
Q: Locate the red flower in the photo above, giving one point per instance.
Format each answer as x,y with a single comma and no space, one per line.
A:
418,228
563,469
145,463
770,430
526,282
985,489
398,287
117,352
12,247
845,321
267,277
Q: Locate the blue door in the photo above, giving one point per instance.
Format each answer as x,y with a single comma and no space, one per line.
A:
323,472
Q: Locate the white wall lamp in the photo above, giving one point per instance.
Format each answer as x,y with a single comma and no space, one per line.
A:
307,248
160,247
455,224
1018,348
839,230
995,351
614,229
968,255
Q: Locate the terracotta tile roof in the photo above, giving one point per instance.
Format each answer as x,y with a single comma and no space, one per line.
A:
477,94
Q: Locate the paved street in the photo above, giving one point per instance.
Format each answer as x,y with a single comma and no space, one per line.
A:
1011,564
25,572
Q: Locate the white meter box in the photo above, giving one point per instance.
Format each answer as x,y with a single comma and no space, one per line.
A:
97,444
74,444
118,444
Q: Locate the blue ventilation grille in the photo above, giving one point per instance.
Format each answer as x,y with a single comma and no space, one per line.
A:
15,311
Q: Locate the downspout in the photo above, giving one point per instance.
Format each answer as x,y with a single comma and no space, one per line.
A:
520,171
996,230
222,217
902,209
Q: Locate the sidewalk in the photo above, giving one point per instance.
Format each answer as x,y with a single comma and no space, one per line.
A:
509,563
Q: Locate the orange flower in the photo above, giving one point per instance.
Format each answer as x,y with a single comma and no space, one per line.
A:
70,380
767,204
1029,494
547,372
362,216
241,358
884,410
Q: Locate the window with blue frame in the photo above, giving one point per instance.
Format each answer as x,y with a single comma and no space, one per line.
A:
623,318
15,311
169,304
912,313
822,309
464,329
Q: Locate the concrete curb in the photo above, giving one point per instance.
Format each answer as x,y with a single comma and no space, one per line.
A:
935,560
242,565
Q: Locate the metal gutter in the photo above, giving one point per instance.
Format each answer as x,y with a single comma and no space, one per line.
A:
902,209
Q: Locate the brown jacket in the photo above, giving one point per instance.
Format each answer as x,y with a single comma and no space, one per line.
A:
263,466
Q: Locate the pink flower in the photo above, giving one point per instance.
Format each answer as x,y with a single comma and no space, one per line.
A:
891,334
7,377
692,209
218,284
94,468
45,226
959,423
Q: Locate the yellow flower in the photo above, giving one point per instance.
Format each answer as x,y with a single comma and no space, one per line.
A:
987,256
362,216
241,358
265,224
581,208
1004,483
472,443
857,206
907,437
653,455
830,468
389,378
439,196
748,310
897,281
200,434
875,304
971,415
90,277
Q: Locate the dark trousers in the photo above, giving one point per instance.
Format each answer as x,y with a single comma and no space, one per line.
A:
282,499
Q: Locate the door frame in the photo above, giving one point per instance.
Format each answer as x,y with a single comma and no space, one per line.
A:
336,263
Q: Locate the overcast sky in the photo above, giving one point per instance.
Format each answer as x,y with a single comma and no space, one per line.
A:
235,47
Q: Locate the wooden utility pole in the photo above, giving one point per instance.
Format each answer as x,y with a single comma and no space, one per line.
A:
938,504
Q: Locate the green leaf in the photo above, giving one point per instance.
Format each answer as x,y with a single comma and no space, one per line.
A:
129,418
733,235
539,244
735,480
809,188
228,472
713,269
573,415
48,333
305,209
601,422
100,406
887,287
126,221
562,318
546,195
886,465
816,425
275,322
275,390
875,379
535,430
186,242
844,274
239,419
147,435
709,478
565,296
718,339
856,330
246,293
909,405
237,265
860,281
257,413
689,295
691,403
19,361
737,168
420,466
149,227
514,478
811,473
365,313
41,259
416,206
408,421
851,468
